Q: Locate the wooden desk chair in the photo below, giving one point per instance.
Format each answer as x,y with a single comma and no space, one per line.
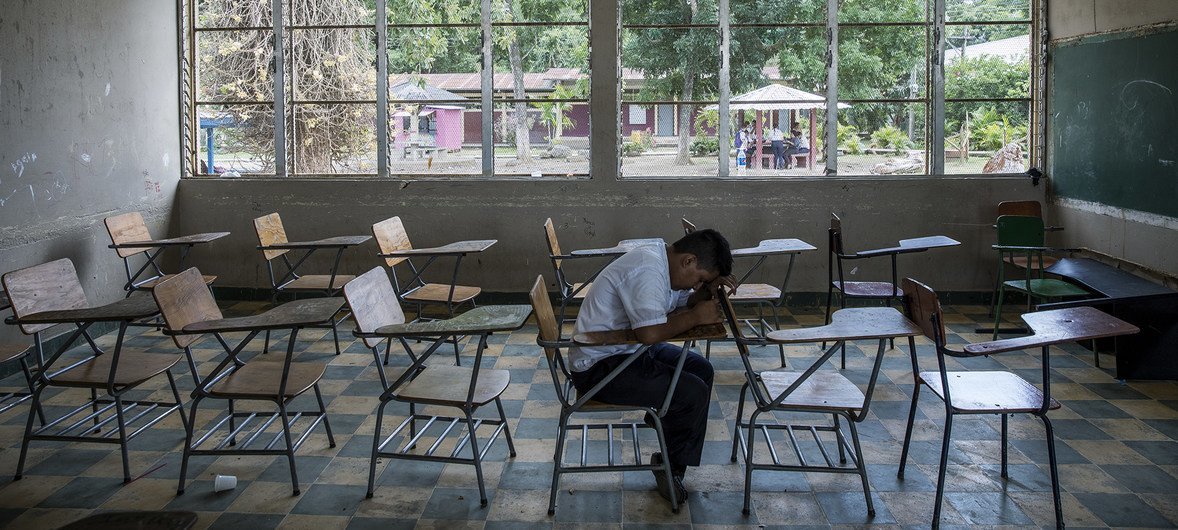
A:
1022,236
454,387
688,226
572,404
191,312
48,294
812,391
568,291
8,400
971,392
885,291
129,228
374,304
391,236
271,232
1028,209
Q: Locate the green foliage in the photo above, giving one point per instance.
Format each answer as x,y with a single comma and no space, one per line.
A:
552,113
889,137
848,139
704,146
990,130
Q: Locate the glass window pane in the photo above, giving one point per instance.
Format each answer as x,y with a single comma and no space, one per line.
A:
790,56
333,64
664,64
550,59
882,62
667,12
777,11
434,138
526,143
539,11
434,12
236,138
234,66
987,10
975,132
883,11
985,64
234,13
334,138
677,140
446,58
333,13
882,139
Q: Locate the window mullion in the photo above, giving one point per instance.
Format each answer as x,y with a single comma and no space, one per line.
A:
279,77
724,126
382,90
832,88
937,142
487,74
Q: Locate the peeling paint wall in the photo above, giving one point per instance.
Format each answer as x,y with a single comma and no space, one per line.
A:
88,113
1141,238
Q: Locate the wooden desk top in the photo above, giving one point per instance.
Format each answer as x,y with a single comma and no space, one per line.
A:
1107,280
1058,326
477,321
919,244
139,305
331,242
770,247
456,248
298,313
855,323
622,247
626,336
193,239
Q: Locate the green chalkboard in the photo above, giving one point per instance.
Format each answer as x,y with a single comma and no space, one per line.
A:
1114,120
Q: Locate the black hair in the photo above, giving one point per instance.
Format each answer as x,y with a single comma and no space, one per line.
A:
709,248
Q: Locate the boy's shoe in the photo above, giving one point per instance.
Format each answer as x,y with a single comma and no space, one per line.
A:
660,479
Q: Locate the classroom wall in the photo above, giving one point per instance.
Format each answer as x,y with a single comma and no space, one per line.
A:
1143,238
88,114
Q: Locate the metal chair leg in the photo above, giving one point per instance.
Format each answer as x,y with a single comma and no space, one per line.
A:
658,430
736,426
335,334
908,429
1004,433
557,462
838,439
1054,471
290,457
941,471
506,428
24,445
24,366
122,438
478,460
858,456
232,427
323,414
375,448
188,445
748,461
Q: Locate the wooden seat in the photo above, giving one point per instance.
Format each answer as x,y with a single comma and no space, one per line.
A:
822,391
50,294
447,386
749,292
437,293
134,368
987,392
1023,262
261,380
970,392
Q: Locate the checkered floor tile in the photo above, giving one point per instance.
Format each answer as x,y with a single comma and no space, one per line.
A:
1115,440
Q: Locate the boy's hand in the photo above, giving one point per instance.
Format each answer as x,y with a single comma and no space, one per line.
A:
708,290
707,312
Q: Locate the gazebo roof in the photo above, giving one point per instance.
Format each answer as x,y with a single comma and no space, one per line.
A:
777,97
411,90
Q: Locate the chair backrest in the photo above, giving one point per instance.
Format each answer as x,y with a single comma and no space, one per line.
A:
923,308
390,236
373,302
835,234
688,226
545,318
184,299
270,232
1027,208
127,228
1020,231
553,244
49,286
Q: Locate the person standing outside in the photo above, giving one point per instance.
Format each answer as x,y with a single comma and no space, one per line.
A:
641,291
777,139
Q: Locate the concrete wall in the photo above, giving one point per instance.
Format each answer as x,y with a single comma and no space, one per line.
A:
1142,238
88,128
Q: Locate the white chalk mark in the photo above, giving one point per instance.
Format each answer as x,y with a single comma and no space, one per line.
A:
4,200
1141,81
32,193
107,89
1165,162
85,157
167,159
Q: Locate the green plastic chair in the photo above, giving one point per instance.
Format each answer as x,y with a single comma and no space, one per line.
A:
1022,236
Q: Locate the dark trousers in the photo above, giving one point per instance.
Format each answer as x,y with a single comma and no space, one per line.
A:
645,383
778,154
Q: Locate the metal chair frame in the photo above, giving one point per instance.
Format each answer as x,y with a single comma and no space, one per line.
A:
834,262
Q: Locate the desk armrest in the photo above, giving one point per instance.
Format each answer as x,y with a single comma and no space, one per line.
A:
138,305
189,240
627,336
452,249
299,313
1034,249
477,321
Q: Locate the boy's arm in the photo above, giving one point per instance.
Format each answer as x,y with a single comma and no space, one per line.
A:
708,292
679,322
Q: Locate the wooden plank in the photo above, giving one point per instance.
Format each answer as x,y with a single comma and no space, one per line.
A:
622,247
194,239
125,228
184,299
857,323
627,336
270,232
449,385
923,306
480,320
328,242
299,313
1059,326
553,244
263,378
374,303
450,249
134,368
391,237
770,247
981,392
1110,281
440,293
549,329
138,305
824,390
45,287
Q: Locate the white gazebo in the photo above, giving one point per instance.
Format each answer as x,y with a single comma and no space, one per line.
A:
777,97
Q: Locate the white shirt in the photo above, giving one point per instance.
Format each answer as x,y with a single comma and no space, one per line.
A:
776,135
800,143
632,292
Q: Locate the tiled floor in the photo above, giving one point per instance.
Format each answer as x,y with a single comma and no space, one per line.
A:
1116,445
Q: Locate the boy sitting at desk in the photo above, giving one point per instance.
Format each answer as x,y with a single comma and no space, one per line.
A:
639,291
